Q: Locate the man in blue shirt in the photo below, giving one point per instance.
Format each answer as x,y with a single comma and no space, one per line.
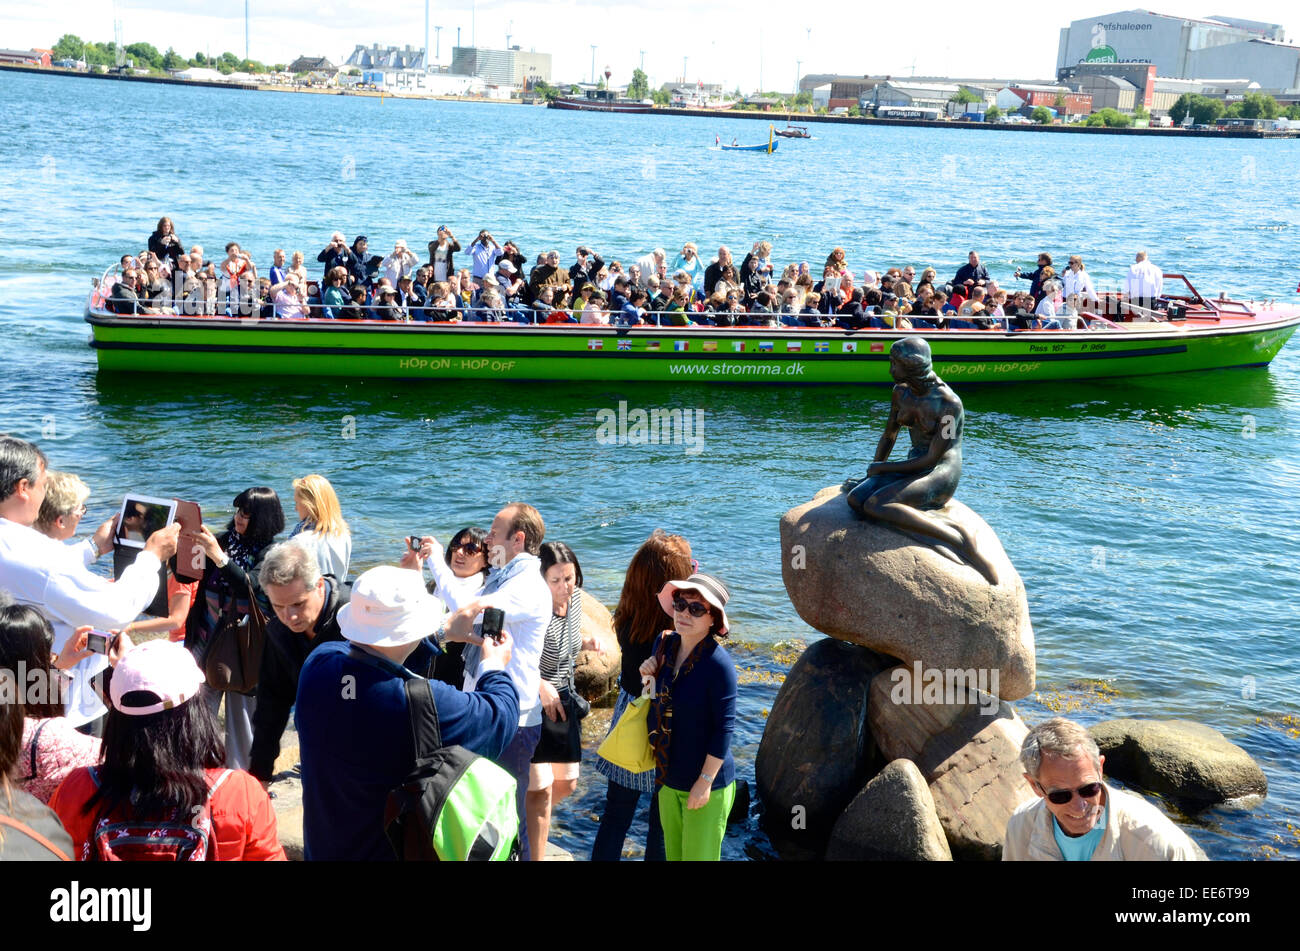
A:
353,724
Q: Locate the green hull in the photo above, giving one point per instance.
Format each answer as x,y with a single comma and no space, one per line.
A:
704,355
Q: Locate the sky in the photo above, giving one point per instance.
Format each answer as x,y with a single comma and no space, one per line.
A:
716,41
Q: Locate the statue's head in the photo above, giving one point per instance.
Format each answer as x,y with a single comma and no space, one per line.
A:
909,359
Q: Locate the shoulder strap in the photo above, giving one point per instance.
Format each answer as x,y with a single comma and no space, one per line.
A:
34,835
225,774
425,729
36,738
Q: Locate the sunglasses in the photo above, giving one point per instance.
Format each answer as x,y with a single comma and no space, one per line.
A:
469,548
1061,797
695,609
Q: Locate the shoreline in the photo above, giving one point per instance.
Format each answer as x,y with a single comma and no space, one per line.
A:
772,117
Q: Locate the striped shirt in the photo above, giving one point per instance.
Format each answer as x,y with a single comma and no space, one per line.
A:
563,641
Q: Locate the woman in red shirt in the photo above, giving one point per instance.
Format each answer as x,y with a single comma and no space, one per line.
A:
163,763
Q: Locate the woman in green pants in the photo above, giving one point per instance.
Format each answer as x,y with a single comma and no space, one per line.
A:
692,719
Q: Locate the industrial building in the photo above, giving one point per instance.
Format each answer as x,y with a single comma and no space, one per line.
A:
513,67
1181,48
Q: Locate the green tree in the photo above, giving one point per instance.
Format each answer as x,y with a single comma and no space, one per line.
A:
854,111
639,87
1293,112
1042,115
802,100
1140,112
964,96
68,47
1202,109
662,97
145,54
199,60
1259,106
173,60
1110,118
992,114
1059,102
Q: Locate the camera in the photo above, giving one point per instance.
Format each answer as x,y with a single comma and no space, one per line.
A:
493,618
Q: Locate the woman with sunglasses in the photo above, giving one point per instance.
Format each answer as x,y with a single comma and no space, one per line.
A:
638,619
466,555
692,719
233,560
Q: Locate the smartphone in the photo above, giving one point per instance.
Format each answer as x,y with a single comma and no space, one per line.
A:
190,560
493,618
413,542
100,642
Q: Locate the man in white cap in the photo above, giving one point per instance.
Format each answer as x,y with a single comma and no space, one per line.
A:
353,723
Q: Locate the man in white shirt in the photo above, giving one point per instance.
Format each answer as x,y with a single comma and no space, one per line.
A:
53,578
1144,283
516,586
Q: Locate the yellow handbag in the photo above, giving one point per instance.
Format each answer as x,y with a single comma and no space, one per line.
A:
628,744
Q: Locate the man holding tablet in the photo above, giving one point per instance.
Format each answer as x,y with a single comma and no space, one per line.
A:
43,573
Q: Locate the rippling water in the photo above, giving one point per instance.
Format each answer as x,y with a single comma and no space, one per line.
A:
1153,520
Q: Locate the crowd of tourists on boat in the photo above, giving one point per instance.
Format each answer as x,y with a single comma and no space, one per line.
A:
501,286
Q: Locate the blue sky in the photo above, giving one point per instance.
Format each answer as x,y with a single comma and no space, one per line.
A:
728,42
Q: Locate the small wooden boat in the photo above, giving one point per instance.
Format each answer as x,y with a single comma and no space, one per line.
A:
794,132
769,148
765,147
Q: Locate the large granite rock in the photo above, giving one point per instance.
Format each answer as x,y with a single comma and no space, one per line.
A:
816,750
595,675
891,820
907,708
1181,759
976,780
868,584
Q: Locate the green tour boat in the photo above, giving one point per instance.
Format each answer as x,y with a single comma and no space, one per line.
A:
1184,332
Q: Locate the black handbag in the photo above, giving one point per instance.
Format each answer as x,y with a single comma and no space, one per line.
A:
234,655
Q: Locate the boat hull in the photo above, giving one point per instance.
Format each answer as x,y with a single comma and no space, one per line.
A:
582,105
698,354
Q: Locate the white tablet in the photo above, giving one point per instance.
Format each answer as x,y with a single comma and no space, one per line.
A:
140,517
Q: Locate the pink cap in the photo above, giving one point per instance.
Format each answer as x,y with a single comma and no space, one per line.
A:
164,668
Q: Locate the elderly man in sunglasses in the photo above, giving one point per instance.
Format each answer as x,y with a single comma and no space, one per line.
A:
1077,817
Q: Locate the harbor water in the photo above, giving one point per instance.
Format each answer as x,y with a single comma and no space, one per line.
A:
1153,520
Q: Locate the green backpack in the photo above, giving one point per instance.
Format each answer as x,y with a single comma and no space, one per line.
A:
455,805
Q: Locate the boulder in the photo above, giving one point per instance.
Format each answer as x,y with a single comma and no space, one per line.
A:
595,675
975,777
891,820
816,750
908,706
869,584
1183,760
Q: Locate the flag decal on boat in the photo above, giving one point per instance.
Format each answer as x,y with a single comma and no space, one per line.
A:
850,346
680,345
821,346
595,344
738,346
625,345
793,346
877,348
765,346
652,344
709,346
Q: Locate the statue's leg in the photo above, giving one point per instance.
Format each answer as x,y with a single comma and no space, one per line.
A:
896,505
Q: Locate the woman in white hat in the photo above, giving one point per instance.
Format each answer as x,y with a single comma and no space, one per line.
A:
162,772
692,719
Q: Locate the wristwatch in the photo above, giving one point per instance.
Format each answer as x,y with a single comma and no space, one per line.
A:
706,777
